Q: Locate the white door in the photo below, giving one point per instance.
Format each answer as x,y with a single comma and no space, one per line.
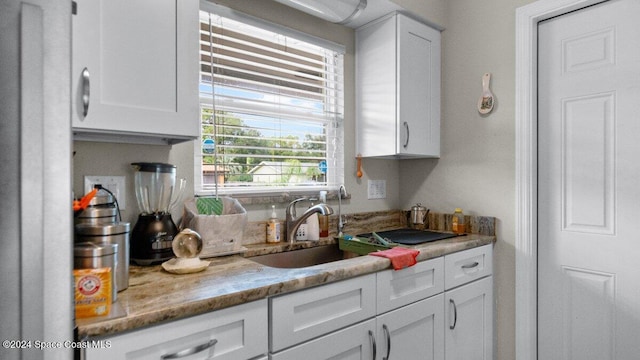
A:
589,184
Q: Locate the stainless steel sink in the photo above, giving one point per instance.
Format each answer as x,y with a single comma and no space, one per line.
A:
301,258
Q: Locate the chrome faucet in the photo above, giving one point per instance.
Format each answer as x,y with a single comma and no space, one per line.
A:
293,222
340,221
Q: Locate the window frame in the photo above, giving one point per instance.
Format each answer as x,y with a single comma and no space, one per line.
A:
337,152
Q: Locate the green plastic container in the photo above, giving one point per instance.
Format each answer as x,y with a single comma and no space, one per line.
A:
359,247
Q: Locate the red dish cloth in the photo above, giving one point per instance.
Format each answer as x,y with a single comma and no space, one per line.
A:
400,257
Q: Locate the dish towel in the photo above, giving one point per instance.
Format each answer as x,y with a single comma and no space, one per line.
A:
400,257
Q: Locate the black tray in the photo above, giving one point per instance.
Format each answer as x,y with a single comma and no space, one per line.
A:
411,236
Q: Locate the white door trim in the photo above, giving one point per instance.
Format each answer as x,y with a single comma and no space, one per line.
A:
527,18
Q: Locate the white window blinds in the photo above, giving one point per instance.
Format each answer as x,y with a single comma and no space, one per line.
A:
271,109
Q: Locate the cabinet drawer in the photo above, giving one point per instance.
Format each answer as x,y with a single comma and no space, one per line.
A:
468,265
240,332
310,313
402,287
355,342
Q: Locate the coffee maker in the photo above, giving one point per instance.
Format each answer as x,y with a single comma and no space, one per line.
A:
154,231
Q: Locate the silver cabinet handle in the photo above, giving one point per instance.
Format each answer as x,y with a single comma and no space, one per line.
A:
470,266
406,126
373,341
190,351
86,92
388,335
455,314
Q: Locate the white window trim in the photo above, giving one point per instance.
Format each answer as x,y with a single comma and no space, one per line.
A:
271,191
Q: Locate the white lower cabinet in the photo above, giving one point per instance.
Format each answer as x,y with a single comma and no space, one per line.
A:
469,328
387,315
468,301
439,309
239,332
413,331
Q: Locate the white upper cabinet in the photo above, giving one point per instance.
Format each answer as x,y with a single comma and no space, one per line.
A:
135,71
398,89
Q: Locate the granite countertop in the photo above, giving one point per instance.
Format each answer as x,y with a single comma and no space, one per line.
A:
155,296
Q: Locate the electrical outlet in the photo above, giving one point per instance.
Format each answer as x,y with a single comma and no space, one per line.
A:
377,189
115,184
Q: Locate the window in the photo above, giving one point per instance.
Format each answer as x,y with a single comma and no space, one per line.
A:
271,107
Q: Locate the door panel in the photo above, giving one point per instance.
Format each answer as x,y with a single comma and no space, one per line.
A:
588,194
469,321
587,156
413,331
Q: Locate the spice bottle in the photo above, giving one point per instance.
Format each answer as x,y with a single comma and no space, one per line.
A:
273,227
457,222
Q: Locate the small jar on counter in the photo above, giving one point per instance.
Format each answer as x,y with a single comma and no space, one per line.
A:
457,222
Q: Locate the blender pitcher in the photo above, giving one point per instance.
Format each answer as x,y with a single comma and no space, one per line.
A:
154,231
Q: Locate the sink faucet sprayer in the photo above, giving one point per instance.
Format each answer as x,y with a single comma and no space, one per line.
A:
340,221
293,222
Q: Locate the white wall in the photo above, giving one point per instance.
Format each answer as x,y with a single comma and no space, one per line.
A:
477,168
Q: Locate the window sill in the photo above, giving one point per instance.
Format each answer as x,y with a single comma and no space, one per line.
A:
278,197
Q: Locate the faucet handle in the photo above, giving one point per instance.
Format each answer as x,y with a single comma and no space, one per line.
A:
291,208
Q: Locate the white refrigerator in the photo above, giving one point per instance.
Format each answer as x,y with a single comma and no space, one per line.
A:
36,291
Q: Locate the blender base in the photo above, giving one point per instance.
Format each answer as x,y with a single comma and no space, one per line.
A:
151,238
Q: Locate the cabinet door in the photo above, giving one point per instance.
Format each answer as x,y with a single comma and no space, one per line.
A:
413,332
353,343
397,89
469,326
376,88
418,119
239,332
137,62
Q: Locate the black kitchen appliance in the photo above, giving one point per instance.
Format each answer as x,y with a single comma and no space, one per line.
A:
154,231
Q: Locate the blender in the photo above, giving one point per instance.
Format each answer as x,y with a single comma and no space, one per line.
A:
154,231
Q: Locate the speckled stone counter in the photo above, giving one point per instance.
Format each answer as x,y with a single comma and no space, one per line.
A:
155,296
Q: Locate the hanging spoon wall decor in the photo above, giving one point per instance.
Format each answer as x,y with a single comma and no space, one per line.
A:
486,100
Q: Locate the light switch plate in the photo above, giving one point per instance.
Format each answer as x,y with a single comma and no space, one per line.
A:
377,189
115,184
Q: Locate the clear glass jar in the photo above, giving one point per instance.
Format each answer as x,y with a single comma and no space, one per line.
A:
457,222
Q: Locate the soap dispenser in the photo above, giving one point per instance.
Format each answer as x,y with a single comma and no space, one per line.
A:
273,227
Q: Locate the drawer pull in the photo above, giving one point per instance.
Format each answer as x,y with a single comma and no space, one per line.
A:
85,91
470,266
373,342
386,332
190,351
455,314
